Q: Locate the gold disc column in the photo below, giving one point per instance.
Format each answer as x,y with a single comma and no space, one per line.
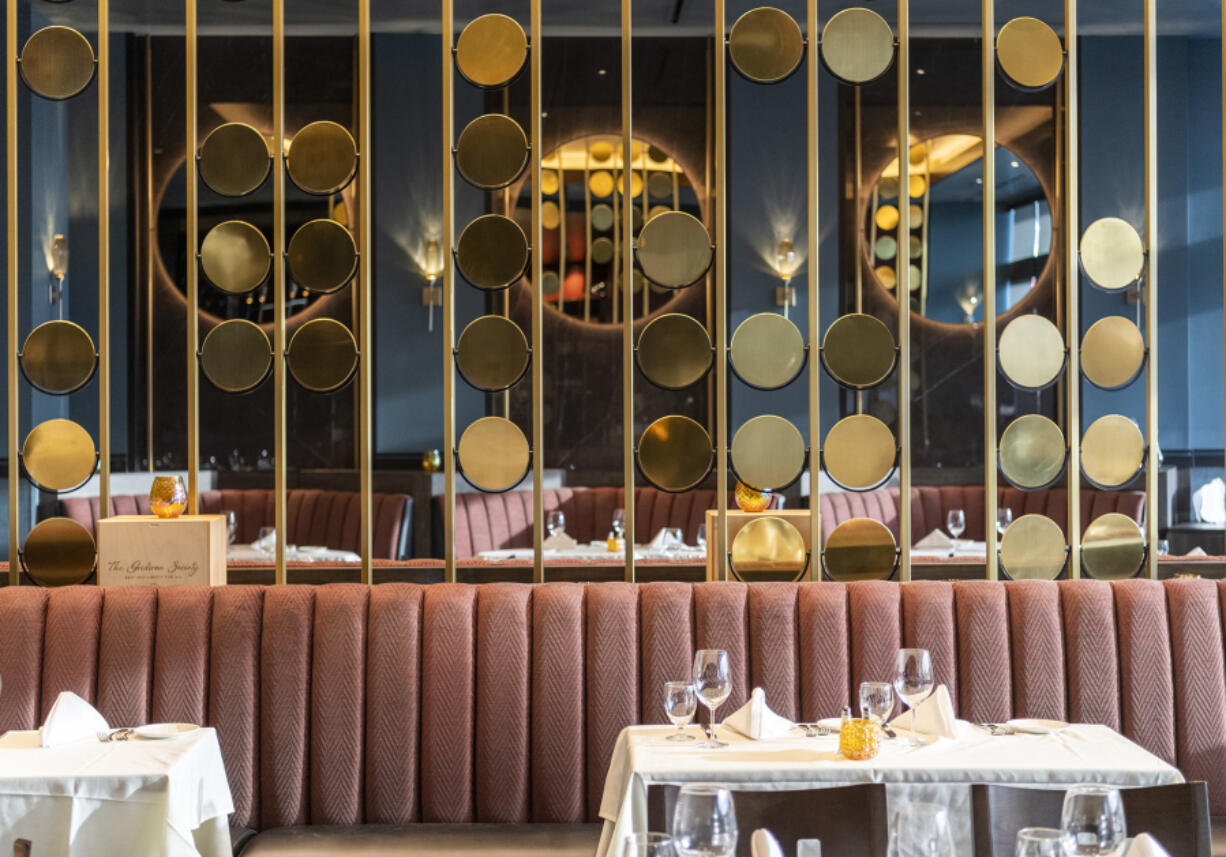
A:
988,71
278,280
1151,285
627,290
365,296
904,304
104,257
10,172
191,164
812,75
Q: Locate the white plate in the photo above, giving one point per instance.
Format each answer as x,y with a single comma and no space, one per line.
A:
155,731
1032,726
834,724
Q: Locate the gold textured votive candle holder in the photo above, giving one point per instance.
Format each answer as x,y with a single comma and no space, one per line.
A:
750,499
168,496
859,739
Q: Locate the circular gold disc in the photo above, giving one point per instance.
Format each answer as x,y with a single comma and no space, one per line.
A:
887,218
235,256
765,45
602,217
492,353
1032,452
601,151
492,252
768,453
57,62
234,159
1033,548
1112,451
322,355
59,552
602,251
58,357
1112,254
236,355
492,152
550,283
1031,352
636,185
322,158
491,50
674,250
674,351
660,185
767,351
551,215
771,545
887,187
675,453
917,216
915,247
859,452
1112,547
322,256
493,454
886,275
59,455
1029,53
858,351
860,549
857,45
917,186
549,182
601,183
1112,352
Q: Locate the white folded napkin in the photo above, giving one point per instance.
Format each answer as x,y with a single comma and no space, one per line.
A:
268,544
755,720
1196,551
764,844
935,541
70,719
933,716
1146,846
664,540
559,542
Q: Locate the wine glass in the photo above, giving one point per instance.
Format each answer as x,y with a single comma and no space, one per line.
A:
921,830
913,682
267,539
876,700
231,526
619,522
713,685
1093,820
701,538
648,845
1040,842
955,522
555,522
1004,517
674,539
704,821
679,705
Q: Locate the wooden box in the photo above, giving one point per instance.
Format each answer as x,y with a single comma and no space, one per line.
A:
799,518
144,550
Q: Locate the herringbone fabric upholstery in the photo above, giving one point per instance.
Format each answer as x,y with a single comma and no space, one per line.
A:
667,619
1200,679
70,644
1092,653
558,717
285,693
825,649
928,623
234,692
876,632
504,658
773,658
448,685
180,678
720,622
1145,666
1038,650
984,678
611,668
23,615
125,655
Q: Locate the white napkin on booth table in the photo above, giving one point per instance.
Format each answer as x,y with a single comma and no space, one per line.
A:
559,542
936,540
755,720
933,716
70,719
764,844
1146,846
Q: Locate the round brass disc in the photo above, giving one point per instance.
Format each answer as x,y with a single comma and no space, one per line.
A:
675,453
322,158
235,256
234,159
601,183
492,353
59,552
58,357
766,45
767,351
887,218
1031,352
857,45
860,549
491,50
492,252
549,182
322,355
768,545
859,452
1112,352
1112,254
1112,451
1032,452
322,256
602,251
236,355
660,185
1029,53
887,275
550,283
1033,548
914,247
601,151
886,247
674,351
59,455
858,351
917,216
602,217
493,454
57,62
492,151
674,250
1112,547
768,453
551,215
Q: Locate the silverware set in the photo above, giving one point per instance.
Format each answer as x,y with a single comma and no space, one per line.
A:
813,730
118,734
997,729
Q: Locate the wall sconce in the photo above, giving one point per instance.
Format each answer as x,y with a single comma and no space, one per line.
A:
57,266
785,267
432,295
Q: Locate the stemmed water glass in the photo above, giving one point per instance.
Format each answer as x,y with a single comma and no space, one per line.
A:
921,830
555,522
619,522
1040,842
713,685
955,522
704,821
679,705
913,682
648,845
876,700
1093,821
1004,517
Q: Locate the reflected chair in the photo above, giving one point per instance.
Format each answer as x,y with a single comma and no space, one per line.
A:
21,848
850,821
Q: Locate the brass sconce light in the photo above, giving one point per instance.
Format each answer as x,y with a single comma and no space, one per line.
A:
432,295
785,267
57,266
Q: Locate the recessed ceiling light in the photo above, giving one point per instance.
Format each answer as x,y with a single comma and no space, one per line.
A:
602,72
920,71
1014,164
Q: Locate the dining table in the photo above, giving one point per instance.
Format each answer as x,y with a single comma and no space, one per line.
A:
940,771
293,553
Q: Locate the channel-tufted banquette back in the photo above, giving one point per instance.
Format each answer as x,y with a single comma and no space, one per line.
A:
501,702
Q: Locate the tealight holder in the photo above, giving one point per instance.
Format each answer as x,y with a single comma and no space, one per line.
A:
859,739
168,496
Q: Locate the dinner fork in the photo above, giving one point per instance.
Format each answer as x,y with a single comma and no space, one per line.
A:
813,730
997,728
122,734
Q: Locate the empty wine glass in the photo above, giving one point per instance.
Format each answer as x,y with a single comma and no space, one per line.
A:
701,538
913,682
1004,517
648,845
1040,842
619,522
674,539
921,830
231,526
1093,820
713,685
679,704
555,522
955,522
876,700
704,821
267,539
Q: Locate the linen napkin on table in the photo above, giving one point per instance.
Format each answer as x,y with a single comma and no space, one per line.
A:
934,716
664,540
1146,846
268,544
936,540
559,542
764,844
70,719
755,720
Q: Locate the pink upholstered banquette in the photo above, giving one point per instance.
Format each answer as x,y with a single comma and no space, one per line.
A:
398,703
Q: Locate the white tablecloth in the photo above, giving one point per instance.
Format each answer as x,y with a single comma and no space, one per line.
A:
293,553
965,550
116,799
941,772
596,552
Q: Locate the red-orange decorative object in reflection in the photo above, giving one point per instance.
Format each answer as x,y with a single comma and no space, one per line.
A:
751,499
168,496
859,739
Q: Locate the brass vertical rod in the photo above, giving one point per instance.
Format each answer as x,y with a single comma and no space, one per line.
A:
538,298
10,172
988,70
627,295
449,297
1223,65
278,281
191,136
902,289
149,236
719,217
1151,285
812,76
1072,280
365,436
646,209
104,258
